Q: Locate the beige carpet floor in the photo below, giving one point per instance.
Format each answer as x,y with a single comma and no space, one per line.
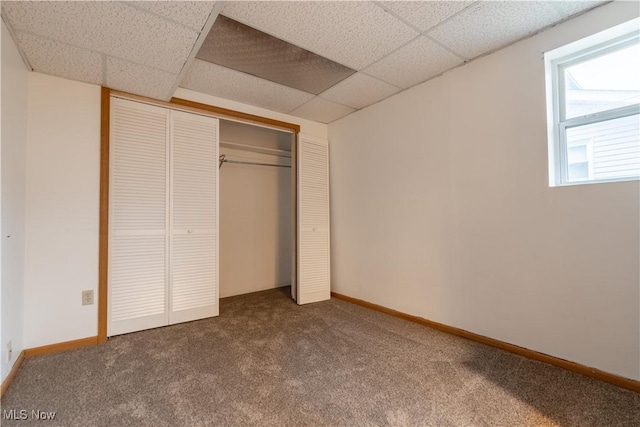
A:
268,362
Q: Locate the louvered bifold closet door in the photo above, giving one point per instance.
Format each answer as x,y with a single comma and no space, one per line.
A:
313,220
138,218
194,217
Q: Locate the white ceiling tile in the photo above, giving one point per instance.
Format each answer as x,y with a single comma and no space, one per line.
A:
425,14
138,79
61,60
569,8
359,90
107,27
414,63
193,14
321,110
226,83
354,34
486,26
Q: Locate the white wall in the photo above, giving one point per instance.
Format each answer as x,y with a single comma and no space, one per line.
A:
63,171
441,208
255,224
307,127
13,155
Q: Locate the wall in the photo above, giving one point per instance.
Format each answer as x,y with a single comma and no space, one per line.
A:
63,158
441,208
13,160
255,224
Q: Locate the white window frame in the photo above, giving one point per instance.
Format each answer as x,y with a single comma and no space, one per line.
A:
556,62
587,143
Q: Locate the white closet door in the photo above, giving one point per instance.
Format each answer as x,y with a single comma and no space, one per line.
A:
313,220
194,217
138,217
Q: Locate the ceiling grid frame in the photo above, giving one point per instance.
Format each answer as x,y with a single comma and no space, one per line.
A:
423,32
386,5
134,4
318,96
340,92
47,38
211,19
399,28
151,77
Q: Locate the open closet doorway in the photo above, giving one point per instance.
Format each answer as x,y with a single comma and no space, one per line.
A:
257,200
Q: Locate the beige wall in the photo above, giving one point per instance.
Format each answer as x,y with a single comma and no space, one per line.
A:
13,166
63,175
441,208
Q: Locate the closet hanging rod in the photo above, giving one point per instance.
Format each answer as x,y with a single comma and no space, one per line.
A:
223,159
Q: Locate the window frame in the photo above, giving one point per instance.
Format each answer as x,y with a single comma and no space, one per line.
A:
587,143
556,62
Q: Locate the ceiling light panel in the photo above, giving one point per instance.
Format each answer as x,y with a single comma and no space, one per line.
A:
112,28
242,48
486,26
226,83
321,110
425,14
359,90
354,34
61,60
414,63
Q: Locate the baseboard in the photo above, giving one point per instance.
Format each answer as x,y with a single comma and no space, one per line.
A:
60,347
12,373
531,354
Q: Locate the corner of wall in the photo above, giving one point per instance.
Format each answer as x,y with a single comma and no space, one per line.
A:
13,113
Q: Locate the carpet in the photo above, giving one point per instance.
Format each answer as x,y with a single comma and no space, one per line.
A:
266,361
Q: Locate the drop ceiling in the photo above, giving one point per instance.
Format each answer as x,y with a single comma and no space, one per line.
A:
245,49
316,60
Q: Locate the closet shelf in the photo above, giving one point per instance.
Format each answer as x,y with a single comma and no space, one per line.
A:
253,148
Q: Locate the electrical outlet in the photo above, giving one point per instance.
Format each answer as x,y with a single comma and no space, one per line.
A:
9,351
87,297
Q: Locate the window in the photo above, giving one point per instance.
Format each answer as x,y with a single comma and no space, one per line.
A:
593,108
579,160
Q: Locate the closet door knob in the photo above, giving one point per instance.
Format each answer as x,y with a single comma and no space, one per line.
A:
190,231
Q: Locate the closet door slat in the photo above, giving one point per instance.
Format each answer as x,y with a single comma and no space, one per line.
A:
313,282
137,217
194,217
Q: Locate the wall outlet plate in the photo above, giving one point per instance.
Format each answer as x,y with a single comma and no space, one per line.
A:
87,297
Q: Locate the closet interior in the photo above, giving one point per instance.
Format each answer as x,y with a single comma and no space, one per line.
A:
257,208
